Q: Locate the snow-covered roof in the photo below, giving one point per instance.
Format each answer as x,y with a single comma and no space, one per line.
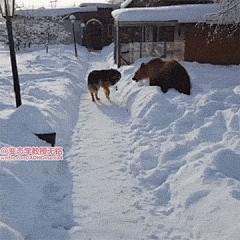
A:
180,13
45,12
54,12
98,5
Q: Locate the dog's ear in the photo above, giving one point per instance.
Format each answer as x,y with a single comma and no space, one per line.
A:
143,65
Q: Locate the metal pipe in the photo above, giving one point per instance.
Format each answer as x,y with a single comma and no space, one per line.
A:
74,38
13,62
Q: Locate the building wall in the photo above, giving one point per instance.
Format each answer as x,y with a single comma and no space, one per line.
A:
204,46
105,18
190,43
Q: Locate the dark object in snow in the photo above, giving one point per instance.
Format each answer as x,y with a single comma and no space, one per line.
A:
48,137
102,78
165,74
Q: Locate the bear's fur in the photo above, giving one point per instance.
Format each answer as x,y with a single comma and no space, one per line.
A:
165,74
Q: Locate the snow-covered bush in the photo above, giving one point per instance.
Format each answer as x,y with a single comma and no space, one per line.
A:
40,31
43,31
229,13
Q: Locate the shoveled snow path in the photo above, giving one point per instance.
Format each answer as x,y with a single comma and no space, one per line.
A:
103,194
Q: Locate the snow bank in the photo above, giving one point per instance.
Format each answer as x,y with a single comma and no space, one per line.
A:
186,149
57,86
182,155
179,123
22,125
36,201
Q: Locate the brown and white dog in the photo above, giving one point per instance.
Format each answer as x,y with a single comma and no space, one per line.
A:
102,78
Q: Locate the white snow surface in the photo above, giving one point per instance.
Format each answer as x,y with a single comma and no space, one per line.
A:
144,165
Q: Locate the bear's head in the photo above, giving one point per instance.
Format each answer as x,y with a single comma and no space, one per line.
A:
141,73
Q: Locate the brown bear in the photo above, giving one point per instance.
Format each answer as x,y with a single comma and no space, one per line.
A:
165,74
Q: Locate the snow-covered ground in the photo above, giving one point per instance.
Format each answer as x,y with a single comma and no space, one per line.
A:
145,165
